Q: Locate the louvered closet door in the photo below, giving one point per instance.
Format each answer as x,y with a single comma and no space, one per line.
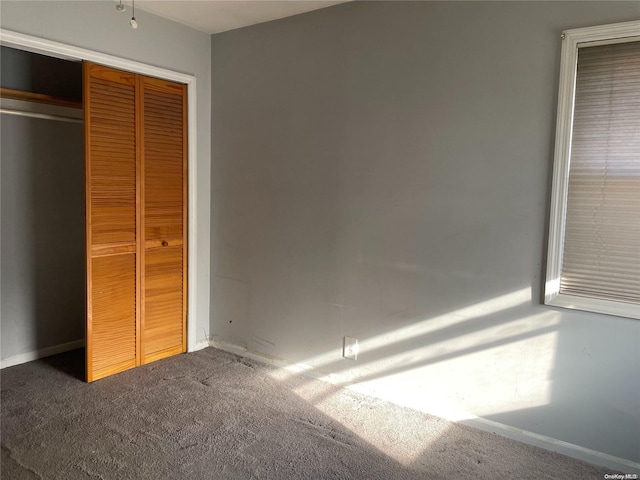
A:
163,127
111,226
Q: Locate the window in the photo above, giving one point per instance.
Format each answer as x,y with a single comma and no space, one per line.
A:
594,233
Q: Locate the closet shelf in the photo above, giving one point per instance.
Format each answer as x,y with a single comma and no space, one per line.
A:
39,98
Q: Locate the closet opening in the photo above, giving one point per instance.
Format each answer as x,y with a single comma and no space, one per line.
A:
43,221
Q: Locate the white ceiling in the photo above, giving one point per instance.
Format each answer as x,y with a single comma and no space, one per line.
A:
219,16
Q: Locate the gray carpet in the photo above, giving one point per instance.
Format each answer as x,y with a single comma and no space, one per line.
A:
213,415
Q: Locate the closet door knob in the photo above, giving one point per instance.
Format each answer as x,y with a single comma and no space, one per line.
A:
165,243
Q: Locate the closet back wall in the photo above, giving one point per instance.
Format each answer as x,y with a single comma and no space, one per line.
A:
30,72
42,234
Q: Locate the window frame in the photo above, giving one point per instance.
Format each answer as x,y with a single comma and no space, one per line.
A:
572,40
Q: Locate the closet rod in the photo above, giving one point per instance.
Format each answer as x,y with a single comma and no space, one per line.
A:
43,116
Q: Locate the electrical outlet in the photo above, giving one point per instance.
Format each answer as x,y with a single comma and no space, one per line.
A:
350,348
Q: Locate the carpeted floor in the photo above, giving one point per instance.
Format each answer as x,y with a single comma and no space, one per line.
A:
213,415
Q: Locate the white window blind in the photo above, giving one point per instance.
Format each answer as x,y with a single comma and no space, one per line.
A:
601,256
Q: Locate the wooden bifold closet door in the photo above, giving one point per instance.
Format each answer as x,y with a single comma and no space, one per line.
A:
135,143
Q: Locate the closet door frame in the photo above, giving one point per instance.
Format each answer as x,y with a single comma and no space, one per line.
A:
69,52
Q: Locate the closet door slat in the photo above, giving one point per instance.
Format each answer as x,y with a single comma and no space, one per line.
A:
164,191
112,258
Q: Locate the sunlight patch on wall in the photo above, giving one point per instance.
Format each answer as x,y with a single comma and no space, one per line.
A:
494,377
501,368
481,309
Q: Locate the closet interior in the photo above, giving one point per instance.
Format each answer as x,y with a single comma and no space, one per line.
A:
42,174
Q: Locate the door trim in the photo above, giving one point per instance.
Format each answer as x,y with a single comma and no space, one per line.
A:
33,44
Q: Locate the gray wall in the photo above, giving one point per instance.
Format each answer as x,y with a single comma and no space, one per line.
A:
98,26
42,261
382,170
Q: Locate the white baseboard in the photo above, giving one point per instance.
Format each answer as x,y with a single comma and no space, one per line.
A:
200,344
42,353
558,446
524,436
